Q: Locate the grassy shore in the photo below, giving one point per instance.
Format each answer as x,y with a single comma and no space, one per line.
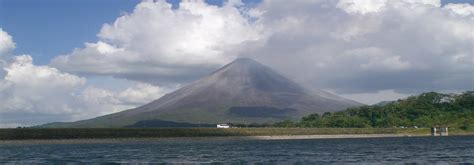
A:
103,133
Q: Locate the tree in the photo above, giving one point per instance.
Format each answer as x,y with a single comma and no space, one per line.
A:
424,110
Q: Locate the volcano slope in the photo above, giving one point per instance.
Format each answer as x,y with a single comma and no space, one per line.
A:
243,91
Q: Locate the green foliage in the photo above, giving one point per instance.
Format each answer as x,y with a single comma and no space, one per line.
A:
425,110
468,124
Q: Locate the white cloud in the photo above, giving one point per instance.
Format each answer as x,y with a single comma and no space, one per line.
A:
368,46
433,3
6,43
376,97
31,94
107,101
361,6
347,46
158,41
141,94
373,58
374,6
23,73
136,95
31,88
463,9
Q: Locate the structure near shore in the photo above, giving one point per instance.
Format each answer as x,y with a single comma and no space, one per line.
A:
439,131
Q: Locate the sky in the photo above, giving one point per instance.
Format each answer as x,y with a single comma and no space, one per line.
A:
66,60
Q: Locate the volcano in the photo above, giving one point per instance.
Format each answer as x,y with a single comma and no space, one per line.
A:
243,91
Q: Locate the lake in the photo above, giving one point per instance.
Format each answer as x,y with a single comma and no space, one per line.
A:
362,150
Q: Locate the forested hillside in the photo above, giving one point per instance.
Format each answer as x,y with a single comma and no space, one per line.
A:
425,110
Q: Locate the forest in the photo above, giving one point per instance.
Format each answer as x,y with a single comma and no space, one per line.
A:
424,110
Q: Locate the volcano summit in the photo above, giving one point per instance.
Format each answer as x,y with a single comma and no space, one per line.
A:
243,91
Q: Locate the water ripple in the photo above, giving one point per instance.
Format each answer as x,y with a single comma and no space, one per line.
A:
424,150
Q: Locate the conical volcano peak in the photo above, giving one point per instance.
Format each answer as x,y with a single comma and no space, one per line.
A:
243,65
241,91
246,73
243,60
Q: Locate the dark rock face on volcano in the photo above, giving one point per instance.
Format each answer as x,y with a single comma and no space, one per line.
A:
243,91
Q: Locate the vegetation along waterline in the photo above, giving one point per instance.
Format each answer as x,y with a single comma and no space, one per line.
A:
102,133
411,116
425,110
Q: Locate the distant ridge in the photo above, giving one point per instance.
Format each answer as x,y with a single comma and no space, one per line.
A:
243,91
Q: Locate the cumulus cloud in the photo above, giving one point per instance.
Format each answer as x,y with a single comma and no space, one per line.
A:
27,90
107,101
376,97
353,46
156,43
140,94
130,97
6,43
31,94
463,9
348,45
361,6
23,73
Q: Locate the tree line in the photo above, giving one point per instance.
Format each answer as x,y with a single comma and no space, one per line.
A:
424,110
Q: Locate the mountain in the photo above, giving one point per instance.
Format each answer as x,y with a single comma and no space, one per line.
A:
243,91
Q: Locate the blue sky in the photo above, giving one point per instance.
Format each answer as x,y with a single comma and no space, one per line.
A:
47,28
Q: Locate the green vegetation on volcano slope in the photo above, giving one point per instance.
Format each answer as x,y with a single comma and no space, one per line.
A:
425,110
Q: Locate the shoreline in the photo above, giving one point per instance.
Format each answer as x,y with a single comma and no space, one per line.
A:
127,135
218,138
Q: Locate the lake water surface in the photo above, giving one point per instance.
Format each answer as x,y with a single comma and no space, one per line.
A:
367,150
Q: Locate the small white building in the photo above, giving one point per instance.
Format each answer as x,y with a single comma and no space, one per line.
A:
223,126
